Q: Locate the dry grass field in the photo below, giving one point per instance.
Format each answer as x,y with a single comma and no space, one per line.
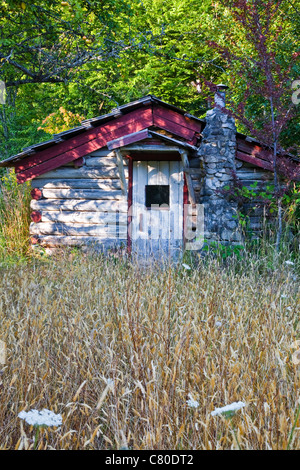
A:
118,350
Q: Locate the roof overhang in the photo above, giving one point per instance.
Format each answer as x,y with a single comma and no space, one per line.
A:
148,117
130,123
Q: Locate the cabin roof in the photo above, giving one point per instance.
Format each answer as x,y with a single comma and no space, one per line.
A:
94,122
130,123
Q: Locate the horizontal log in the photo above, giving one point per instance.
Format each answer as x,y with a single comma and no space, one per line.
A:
83,172
248,166
76,163
67,217
79,205
254,150
257,220
105,184
36,193
36,216
95,162
255,209
104,152
52,228
65,241
254,160
255,226
81,194
243,175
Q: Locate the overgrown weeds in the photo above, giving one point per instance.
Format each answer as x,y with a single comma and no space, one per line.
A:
14,219
118,350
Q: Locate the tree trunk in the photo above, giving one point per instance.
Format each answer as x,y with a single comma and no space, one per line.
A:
276,180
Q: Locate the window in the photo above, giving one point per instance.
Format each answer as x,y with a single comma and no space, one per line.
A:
157,195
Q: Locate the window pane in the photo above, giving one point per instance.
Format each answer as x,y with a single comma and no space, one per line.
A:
157,194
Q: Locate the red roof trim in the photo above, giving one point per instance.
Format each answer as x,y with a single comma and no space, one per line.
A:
118,129
263,158
128,139
80,151
254,160
87,137
113,133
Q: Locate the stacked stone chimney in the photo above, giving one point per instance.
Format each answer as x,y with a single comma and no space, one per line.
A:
217,154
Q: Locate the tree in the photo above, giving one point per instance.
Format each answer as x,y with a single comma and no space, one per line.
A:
49,41
265,72
47,46
134,44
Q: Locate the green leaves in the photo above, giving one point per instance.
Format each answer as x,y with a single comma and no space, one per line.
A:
90,56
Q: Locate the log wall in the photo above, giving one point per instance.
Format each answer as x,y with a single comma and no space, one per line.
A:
81,206
86,205
248,175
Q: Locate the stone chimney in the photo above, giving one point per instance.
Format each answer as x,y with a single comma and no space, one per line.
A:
217,153
220,95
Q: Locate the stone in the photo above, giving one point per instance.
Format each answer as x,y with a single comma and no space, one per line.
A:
230,235
231,224
226,178
217,153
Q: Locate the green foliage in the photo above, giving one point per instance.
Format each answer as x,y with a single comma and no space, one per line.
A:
60,121
89,57
223,252
292,205
264,195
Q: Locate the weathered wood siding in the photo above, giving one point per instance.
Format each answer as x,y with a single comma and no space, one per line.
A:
87,205
81,206
248,175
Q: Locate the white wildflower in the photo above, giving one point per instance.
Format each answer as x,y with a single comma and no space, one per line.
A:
295,344
266,407
191,402
186,266
110,382
296,357
283,296
218,323
228,410
41,418
289,262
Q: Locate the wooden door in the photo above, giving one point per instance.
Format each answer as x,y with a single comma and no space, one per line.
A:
157,209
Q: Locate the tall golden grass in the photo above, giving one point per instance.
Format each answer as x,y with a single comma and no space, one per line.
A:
14,217
117,349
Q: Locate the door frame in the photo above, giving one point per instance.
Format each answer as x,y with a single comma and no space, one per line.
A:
155,157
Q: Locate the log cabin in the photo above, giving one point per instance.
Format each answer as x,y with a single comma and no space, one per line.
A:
148,177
